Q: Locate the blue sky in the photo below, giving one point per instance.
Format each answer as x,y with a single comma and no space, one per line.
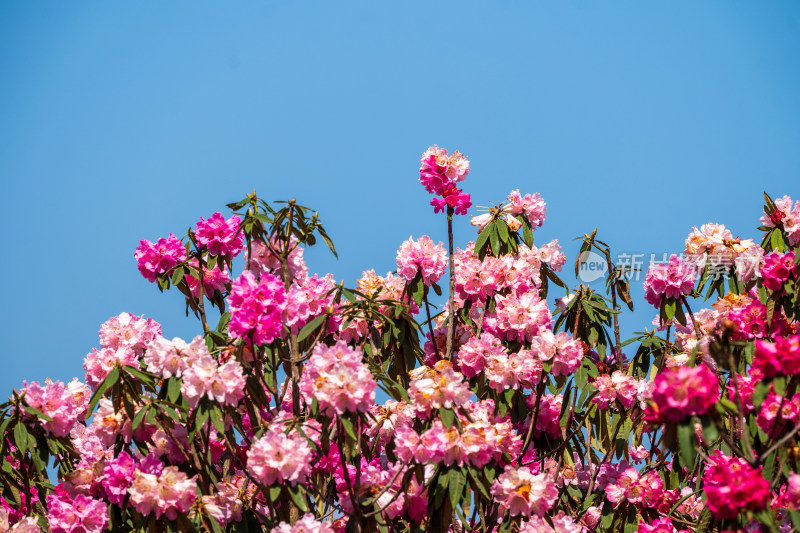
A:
124,121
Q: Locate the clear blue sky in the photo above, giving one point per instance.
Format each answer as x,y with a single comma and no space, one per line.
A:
123,121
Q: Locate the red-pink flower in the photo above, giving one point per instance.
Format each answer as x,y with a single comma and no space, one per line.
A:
82,514
732,485
438,170
256,307
684,391
159,257
779,357
220,236
777,269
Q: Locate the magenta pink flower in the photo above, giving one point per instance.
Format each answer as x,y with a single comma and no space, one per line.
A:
774,358
524,493
421,257
732,485
685,391
117,477
338,380
256,307
307,524
159,257
777,414
220,236
674,279
438,170
473,355
777,269
455,198
785,217
214,280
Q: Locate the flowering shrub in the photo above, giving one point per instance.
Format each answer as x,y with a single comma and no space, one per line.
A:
305,406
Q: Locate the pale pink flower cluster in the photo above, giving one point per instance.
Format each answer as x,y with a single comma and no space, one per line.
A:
58,402
159,257
565,352
515,370
476,279
337,378
215,279
220,236
562,523
256,307
634,487
387,418
27,524
307,524
785,217
617,386
421,257
551,254
674,279
482,438
225,504
472,357
164,490
205,377
99,363
732,485
171,358
684,391
519,317
81,514
716,244
108,422
128,331
440,386
280,458
307,298
264,260
524,493
530,206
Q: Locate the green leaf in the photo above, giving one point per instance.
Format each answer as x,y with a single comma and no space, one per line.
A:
494,238
311,326
417,288
483,237
37,413
177,275
710,432
21,437
527,233
297,497
111,379
455,485
502,230
173,389
686,443
217,418
137,420
669,307
328,241
347,424
448,417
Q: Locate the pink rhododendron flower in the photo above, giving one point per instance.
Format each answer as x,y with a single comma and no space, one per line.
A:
225,505
421,257
172,358
617,386
159,257
307,524
674,279
731,485
56,401
525,493
659,525
777,269
163,490
785,217
280,458
338,380
440,386
215,279
474,354
716,246
220,236
775,358
439,170
264,260
519,317
777,413
452,197
128,331
222,383
684,391
256,307
82,514
117,477
530,206
549,413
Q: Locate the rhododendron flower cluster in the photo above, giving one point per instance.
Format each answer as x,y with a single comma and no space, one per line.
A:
280,458
256,307
338,380
505,404
421,257
524,493
220,236
674,279
684,391
160,257
732,485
